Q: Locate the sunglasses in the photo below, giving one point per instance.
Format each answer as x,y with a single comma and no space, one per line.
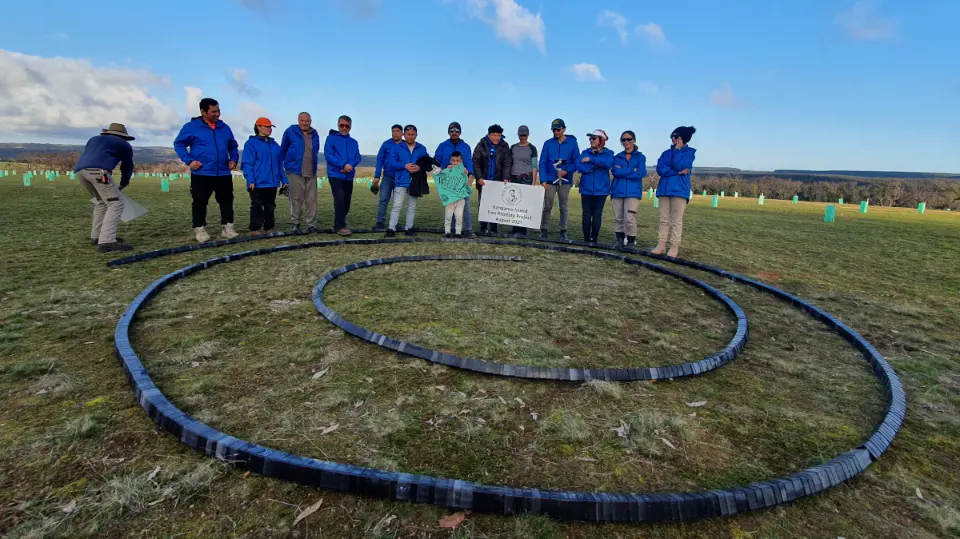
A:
344,126
594,138
521,136
626,140
674,136
453,131
557,129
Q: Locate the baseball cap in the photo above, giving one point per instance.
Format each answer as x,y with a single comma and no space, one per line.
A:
599,133
264,122
523,130
558,124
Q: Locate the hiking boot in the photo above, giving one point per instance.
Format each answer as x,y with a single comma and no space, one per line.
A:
379,227
114,247
409,232
467,233
202,236
228,232
660,248
458,236
620,237
344,231
563,236
448,235
674,251
96,241
296,230
632,242
390,233
543,235
312,230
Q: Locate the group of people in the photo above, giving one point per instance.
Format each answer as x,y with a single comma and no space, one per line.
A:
208,147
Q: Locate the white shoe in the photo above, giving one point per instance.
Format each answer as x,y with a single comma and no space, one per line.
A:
228,231
202,235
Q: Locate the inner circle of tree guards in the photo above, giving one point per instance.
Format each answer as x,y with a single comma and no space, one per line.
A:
456,494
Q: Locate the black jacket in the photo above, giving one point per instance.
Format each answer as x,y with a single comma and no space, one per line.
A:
418,180
481,160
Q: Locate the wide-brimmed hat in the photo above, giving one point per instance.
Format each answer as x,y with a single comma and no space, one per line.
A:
117,129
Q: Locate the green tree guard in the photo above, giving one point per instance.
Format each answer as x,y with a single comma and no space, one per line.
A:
830,213
715,201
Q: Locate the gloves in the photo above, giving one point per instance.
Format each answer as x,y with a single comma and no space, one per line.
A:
285,189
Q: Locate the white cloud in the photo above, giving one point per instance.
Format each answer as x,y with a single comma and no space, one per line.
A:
194,95
238,82
587,72
862,22
241,120
73,98
614,20
724,97
513,23
648,87
654,34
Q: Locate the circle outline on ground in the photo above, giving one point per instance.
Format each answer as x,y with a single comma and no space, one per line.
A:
568,374
456,494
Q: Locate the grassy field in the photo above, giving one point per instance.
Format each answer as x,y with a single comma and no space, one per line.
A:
240,346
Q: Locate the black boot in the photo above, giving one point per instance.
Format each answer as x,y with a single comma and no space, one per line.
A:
390,233
632,242
620,236
563,236
543,235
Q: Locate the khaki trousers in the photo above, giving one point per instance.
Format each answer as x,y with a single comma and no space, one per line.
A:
671,220
107,204
303,200
625,215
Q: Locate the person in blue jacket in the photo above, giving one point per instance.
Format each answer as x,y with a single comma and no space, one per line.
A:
626,191
594,166
558,162
208,147
342,154
299,149
673,191
402,162
262,167
443,153
386,184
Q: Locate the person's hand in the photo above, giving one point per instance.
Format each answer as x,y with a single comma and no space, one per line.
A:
585,160
348,168
376,181
231,165
684,171
481,183
562,173
285,189
409,167
195,165
416,168
250,186
449,166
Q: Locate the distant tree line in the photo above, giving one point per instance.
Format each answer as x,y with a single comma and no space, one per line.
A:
63,161
899,192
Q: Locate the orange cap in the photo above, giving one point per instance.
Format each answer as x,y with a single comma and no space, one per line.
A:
265,122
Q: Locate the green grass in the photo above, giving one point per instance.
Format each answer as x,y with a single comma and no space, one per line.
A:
240,346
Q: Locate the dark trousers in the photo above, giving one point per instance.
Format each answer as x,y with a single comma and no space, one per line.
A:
342,195
484,226
523,179
263,201
201,187
592,215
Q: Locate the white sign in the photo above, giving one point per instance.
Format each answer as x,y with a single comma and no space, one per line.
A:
511,204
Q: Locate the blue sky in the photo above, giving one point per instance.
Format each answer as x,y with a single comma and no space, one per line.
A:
816,84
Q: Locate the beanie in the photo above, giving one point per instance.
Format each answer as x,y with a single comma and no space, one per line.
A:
684,132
